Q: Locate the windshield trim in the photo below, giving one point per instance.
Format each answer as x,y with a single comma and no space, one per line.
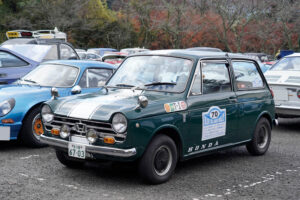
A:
181,57
76,80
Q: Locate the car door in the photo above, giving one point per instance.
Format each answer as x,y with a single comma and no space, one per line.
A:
252,92
93,78
212,109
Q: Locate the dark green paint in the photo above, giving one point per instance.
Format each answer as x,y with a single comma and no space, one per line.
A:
242,115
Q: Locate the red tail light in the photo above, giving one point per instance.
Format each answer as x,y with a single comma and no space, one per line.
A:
298,94
272,93
26,34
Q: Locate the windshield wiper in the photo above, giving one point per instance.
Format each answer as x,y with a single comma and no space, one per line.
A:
124,85
160,83
29,80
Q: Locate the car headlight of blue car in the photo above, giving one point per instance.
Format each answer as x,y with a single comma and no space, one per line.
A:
6,106
47,114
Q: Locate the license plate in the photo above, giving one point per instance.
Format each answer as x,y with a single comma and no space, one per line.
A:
280,94
76,150
5,133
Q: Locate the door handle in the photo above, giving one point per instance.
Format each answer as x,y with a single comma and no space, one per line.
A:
233,99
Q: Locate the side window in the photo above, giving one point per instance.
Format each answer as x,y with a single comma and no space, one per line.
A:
9,60
66,52
196,87
246,75
215,78
93,78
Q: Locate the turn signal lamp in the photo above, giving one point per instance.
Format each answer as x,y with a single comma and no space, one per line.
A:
109,140
55,131
7,121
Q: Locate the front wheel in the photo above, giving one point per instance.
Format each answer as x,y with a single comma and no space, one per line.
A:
159,160
32,129
261,139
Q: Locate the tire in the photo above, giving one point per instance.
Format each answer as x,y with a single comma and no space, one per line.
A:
67,161
159,160
32,129
261,138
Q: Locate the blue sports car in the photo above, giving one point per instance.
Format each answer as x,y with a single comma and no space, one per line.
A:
20,102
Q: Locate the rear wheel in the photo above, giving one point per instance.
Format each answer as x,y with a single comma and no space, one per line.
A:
67,161
261,139
159,160
32,129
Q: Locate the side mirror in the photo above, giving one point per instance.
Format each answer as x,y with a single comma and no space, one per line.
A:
73,58
54,93
76,89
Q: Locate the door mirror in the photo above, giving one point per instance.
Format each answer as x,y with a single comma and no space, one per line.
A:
76,89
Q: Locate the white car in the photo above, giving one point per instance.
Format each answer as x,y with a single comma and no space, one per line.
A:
284,80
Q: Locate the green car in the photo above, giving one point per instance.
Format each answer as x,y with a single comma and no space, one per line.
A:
161,107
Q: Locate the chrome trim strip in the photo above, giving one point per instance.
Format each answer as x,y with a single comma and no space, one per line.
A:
217,147
125,153
288,107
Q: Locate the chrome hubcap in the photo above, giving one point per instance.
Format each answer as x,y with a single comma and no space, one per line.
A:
162,160
263,137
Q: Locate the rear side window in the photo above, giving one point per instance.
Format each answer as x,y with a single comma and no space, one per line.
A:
215,78
9,60
246,75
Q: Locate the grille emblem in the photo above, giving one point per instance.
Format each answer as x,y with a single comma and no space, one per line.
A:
80,128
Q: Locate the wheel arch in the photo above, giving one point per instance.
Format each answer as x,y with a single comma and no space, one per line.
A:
30,110
266,115
173,132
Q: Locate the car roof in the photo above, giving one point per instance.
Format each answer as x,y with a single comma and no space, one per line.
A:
293,55
83,63
204,49
18,55
194,54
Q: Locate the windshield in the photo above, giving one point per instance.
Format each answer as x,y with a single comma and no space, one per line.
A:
287,64
160,73
34,52
53,75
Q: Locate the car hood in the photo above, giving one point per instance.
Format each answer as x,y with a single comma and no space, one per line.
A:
102,105
283,77
23,92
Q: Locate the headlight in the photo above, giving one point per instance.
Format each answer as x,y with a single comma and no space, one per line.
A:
64,131
47,114
119,123
92,136
6,106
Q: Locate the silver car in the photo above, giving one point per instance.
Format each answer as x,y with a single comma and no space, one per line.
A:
284,80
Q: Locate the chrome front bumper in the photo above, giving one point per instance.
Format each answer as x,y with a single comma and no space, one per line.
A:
125,153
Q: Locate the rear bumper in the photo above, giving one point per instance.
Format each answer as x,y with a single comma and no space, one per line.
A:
287,111
100,150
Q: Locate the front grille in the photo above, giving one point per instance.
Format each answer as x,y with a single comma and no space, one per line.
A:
81,126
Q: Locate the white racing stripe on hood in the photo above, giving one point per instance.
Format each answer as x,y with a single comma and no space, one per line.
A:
84,109
87,107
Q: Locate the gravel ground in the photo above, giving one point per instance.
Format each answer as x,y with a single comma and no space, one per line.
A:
232,174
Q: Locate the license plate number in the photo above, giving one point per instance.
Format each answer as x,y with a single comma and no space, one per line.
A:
76,150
